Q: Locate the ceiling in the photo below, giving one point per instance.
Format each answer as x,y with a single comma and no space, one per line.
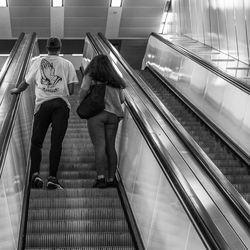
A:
135,19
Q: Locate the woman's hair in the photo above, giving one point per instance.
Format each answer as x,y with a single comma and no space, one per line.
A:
101,69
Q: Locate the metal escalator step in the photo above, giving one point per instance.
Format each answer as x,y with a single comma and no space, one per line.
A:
232,170
74,192
77,183
243,187
69,174
85,248
79,239
247,197
243,179
68,158
72,166
74,202
76,213
229,163
44,226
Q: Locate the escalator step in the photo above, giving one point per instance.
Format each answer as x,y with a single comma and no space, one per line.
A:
69,166
79,239
87,174
77,183
243,179
76,213
90,202
85,248
72,193
232,170
243,188
77,226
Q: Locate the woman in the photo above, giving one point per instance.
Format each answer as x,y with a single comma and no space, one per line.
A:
103,127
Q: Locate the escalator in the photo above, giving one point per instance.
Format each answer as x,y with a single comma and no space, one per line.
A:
230,164
164,194
79,216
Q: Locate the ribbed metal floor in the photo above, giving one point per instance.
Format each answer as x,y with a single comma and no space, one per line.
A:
226,160
79,216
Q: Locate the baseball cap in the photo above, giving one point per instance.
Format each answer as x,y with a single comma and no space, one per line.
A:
54,43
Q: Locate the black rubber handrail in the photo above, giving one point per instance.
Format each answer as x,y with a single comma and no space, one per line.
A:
241,207
232,80
93,43
207,228
11,57
8,123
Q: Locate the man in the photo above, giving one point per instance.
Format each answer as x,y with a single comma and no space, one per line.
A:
53,77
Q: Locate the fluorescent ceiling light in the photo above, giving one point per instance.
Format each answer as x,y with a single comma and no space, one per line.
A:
57,3
116,3
4,54
3,3
77,55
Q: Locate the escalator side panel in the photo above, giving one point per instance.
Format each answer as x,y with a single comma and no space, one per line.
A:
161,218
13,177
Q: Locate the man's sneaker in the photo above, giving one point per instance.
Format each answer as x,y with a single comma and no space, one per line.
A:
36,181
53,183
100,183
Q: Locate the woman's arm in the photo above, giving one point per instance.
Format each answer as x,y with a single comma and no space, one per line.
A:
84,90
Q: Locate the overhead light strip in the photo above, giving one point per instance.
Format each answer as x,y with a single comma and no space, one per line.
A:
3,3
116,3
57,3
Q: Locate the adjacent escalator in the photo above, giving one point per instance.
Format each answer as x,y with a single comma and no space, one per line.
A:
79,216
230,164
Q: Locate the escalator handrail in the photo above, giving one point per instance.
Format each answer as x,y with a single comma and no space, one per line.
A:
209,66
91,39
10,58
206,227
229,191
9,120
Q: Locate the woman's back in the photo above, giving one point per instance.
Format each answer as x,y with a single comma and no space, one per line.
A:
113,100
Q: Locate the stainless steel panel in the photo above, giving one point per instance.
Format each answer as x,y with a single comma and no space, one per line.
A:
240,27
230,22
185,13
200,31
193,18
214,24
222,28
162,221
247,20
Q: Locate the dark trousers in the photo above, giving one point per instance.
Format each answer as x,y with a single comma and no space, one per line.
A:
56,113
102,130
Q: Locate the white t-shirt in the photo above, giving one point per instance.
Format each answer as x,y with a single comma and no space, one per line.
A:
51,75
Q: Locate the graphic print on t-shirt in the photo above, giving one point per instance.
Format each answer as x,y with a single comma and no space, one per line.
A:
48,77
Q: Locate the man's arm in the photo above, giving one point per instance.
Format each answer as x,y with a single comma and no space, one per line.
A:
21,87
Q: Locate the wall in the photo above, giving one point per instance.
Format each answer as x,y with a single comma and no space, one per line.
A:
222,24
